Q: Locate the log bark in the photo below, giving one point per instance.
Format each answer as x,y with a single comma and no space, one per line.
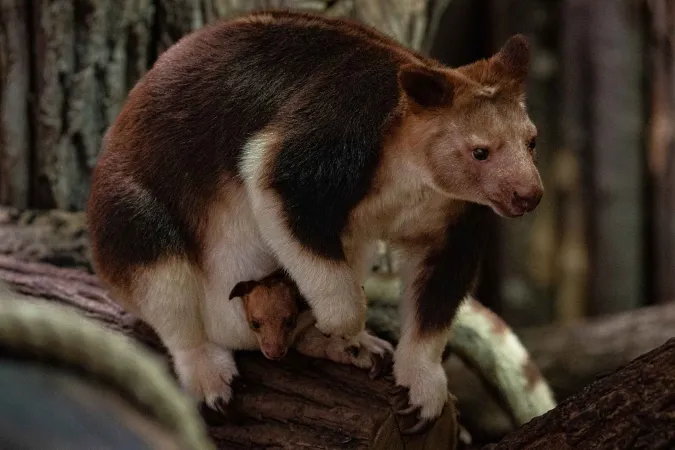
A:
53,236
633,407
299,402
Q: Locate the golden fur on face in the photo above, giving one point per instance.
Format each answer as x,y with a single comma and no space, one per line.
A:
476,142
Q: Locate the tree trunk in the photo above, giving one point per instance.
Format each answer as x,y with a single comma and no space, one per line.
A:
299,402
633,407
86,57
662,145
14,88
616,124
78,60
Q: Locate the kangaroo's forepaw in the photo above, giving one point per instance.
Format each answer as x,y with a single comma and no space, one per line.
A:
370,352
421,395
206,372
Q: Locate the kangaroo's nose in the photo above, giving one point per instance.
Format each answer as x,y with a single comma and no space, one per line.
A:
527,200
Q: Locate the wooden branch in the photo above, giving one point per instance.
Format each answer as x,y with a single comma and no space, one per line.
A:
571,356
633,407
299,402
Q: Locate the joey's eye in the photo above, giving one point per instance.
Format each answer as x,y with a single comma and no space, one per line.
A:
289,323
532,144
255,325
481,154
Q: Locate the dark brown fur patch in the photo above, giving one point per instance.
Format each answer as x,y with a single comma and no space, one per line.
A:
449,272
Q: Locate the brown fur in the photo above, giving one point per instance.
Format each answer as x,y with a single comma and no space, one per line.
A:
292,140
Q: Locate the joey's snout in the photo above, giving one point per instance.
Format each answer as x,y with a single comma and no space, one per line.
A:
274,351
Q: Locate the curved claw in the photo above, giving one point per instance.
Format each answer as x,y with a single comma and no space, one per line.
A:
220,405
382,364
422,426
409,410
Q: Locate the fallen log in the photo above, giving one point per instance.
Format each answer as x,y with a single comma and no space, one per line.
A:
299,402
634,407
572,356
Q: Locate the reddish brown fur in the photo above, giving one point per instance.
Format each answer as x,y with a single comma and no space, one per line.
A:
272,306
280,139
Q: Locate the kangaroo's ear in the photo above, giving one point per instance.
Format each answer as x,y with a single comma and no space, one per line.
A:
513,59
242,288
427,87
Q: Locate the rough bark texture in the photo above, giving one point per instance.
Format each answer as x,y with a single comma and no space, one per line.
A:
297,403
87,55
77,60
632,408
316,404
53,236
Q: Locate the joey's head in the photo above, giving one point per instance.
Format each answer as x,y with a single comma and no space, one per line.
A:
271,311
470,133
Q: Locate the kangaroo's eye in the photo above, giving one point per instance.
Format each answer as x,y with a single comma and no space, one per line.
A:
289,323
255,325
532,144
481,154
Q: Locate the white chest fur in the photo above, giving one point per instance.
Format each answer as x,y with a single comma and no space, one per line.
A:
235,251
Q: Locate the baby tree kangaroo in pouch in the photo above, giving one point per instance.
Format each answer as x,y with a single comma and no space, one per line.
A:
290,140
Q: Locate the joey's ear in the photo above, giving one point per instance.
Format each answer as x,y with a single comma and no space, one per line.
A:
513,60
242,288
426,87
